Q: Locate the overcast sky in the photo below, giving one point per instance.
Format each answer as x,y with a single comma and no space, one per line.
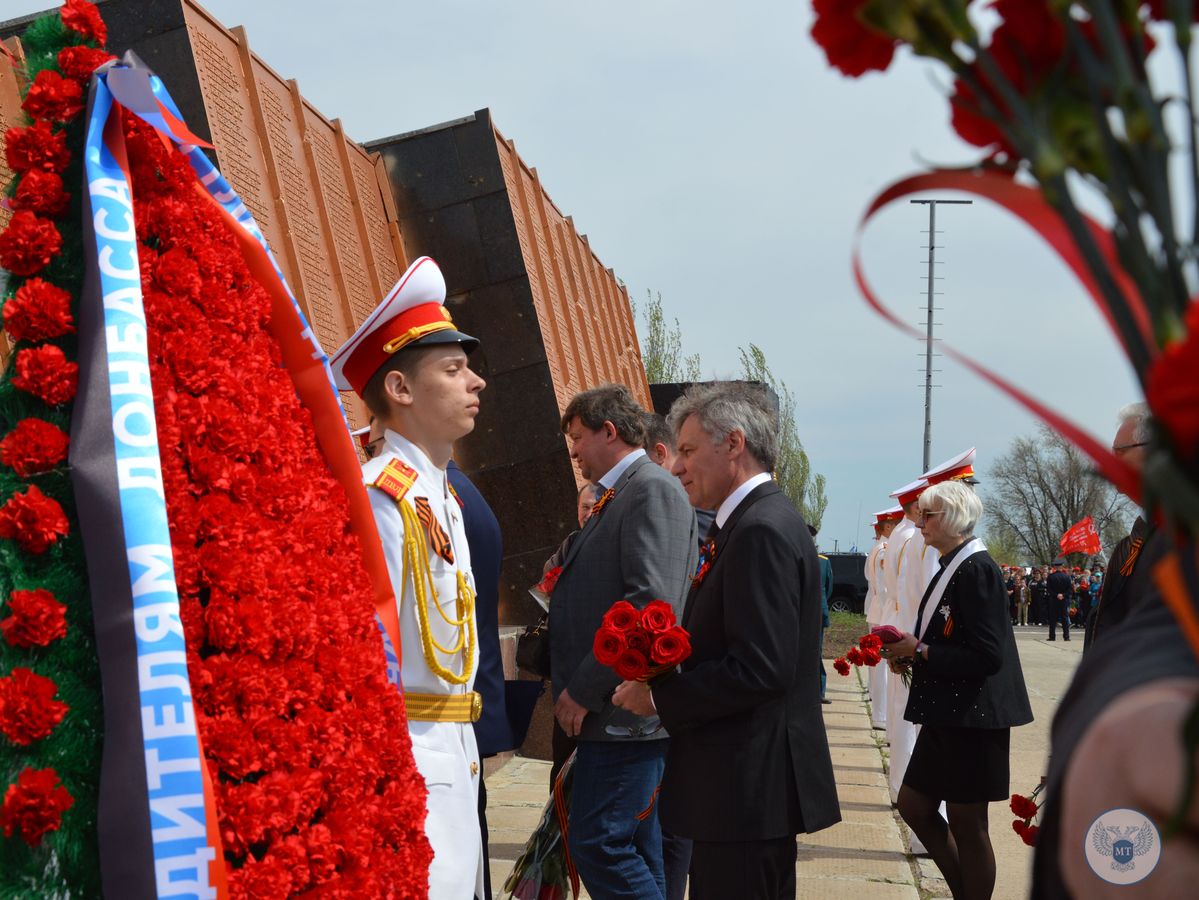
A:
711,155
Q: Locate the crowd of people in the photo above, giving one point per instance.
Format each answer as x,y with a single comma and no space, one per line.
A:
1030,601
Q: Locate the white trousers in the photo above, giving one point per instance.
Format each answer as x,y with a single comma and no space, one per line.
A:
900,732
878,694
444,752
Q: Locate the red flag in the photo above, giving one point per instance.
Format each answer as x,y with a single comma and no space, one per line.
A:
1081,538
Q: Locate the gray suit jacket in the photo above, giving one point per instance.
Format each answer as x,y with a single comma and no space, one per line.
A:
641,547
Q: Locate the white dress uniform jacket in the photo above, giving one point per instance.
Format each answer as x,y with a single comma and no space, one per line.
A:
875,599
445,752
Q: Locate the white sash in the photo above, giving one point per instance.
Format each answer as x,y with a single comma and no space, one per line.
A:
934,599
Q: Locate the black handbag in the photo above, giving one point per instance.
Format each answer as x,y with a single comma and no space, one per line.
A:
533,648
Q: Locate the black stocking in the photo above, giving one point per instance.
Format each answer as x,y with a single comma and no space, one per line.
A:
921,812
968,827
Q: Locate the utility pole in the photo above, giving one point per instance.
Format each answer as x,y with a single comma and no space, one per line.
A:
928,340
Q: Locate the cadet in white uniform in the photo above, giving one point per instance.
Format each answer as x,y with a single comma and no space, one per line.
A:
409,365
884,524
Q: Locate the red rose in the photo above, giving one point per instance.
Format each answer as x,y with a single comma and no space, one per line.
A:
850,45
28,710
623,616
34,446
657,617
37,619
37,147
79,62
53,97
631,665
1172,388
33,520
38,311
671,647
83,17
33,805
46,373
841,665
28,244
854,656
870,642
608,645
1023,807
42,193
1029,835
550,580
639,640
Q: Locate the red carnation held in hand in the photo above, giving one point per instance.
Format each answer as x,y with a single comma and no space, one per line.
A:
28,243
33,520
79,62
623,616
33,805
28,710
841,664
42,193
36,147
850,45
46,373
34,446
1172,388
83,17
53,97
36,619
549,581
38,311
1022,807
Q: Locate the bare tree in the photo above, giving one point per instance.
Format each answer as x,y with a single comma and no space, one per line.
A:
794,470
662,346
1041,487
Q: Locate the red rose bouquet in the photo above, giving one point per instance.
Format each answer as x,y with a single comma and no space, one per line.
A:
641,644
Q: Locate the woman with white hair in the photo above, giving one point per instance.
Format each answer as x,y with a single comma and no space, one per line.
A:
967,693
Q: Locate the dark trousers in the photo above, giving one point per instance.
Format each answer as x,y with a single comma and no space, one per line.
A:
746,870
561,746
676,860
1059,612
483,831
614,835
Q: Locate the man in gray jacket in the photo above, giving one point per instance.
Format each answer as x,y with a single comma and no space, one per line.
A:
640,544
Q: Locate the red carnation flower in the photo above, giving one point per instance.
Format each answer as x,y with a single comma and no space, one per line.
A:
33,805
42,193
83,17
550,580
870,642
34,446
79,62
1029,835
671,647
631,665
37,619
28,710
871,657
608,645
841,665
623,616
33,520
53,97
657,617
854,656
850,45
37,147
1172,388
28,244
46,373
178,274
1020,826
38,311
1023,807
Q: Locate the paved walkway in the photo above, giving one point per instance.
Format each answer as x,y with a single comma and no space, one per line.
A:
866,851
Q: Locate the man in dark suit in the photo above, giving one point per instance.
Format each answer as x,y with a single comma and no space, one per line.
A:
639,545
749,766
1059,586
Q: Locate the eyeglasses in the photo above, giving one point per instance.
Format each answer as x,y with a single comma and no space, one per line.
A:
1124,448
930,513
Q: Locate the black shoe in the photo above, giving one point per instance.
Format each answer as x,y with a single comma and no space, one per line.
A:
825,700
1051,639
1067,640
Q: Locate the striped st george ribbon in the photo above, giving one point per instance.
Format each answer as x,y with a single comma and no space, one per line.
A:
438,539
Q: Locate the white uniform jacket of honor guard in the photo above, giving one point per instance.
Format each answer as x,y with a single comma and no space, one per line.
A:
893,564
445,752
874,581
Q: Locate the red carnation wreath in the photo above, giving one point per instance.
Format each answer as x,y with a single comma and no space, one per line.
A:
33,805
37,619
33,520
46,373
28,710
28,244
37,147
33,447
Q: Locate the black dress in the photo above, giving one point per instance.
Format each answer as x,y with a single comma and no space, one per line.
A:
970,691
